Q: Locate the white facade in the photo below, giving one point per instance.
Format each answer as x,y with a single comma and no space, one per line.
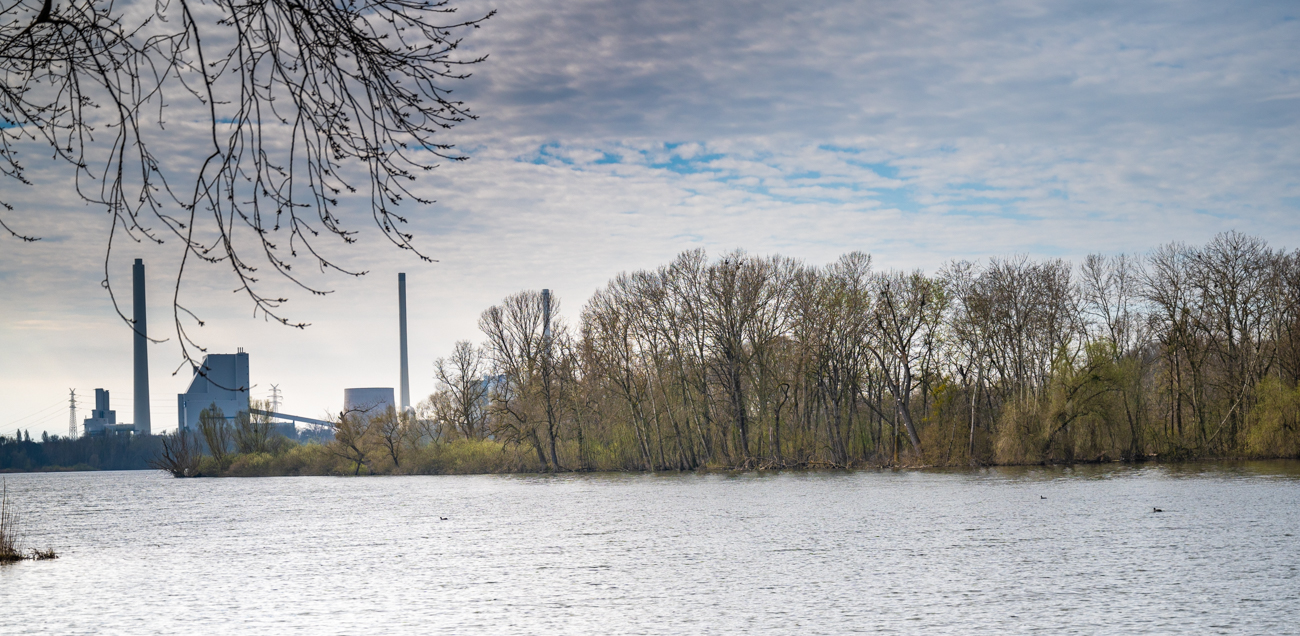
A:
367,402
221,380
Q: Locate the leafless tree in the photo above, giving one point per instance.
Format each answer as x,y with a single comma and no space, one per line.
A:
297,103
252,432
1234,278
217,433
836,317
180,454
1111,288
462,376
737,291
393,431
906,313
1288,320
528,401
608,321
1168,288
354,438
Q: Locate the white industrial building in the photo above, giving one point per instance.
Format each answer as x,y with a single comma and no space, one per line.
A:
222,380
367,402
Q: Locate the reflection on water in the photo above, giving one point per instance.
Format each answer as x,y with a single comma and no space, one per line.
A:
1042,550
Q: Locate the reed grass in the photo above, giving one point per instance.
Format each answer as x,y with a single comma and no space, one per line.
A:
8,528
9,533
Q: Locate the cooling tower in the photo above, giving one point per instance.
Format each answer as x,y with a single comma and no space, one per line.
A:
368,402
401,318
142,424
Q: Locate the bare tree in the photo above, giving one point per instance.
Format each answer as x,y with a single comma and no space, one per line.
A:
1168,288
216,434
736,292
252,432
513,330
837,333
906,313
1234,276
299,102
354,439
1110,292
392,429
609,323
1110,289
968,342
180,454
525,351
462,375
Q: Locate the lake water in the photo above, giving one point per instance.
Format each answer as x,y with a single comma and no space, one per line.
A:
808,553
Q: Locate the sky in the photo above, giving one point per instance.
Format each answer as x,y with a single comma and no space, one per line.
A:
611,136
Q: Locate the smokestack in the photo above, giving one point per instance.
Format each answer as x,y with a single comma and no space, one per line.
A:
546,315
142,423
401,313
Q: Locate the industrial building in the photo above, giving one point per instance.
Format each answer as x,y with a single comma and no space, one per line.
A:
372,401
367,402
222,380
103,420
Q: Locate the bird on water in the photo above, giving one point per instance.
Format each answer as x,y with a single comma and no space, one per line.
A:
1156,510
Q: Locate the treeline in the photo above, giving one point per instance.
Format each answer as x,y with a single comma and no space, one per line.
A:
767,362
748,361
21,454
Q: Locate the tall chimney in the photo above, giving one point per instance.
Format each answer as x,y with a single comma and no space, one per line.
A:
401,312
142,424
546,315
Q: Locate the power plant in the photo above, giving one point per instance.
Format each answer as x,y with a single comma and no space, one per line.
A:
103,420
371,401
223,380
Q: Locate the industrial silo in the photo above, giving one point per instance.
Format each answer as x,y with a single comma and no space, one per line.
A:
367,402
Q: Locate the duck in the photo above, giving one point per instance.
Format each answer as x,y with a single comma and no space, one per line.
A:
1156,510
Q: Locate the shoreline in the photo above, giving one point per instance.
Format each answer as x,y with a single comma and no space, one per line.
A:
235,470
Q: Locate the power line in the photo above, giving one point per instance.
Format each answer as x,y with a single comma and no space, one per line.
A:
38,413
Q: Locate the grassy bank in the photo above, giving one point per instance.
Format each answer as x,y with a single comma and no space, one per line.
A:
470,457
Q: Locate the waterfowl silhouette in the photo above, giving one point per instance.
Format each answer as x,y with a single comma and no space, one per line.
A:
443,518
1042,497
1156,510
